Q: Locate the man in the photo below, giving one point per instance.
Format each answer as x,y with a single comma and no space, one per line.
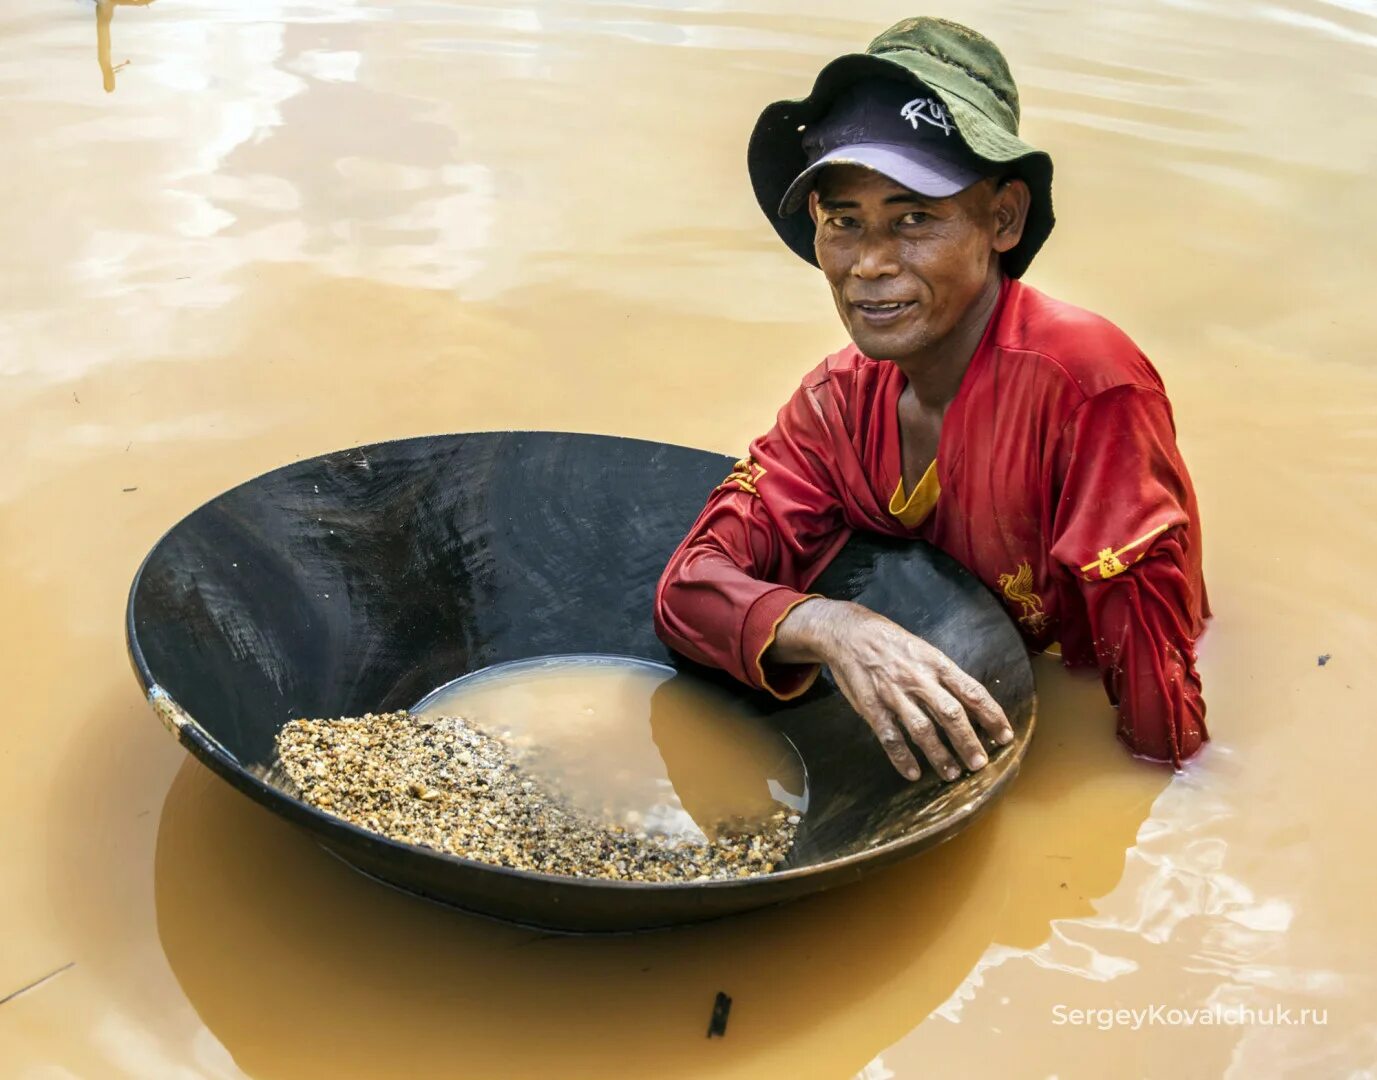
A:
1029,439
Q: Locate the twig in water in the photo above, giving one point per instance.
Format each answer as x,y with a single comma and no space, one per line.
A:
36,983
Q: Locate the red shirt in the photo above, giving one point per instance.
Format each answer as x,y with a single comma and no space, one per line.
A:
1057,482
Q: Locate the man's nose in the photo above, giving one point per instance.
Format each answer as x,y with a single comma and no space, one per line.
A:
875,258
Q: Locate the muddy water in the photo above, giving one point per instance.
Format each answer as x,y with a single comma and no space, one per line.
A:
632,743
295,226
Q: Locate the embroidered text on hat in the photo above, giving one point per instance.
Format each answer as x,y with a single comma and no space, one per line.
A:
929,111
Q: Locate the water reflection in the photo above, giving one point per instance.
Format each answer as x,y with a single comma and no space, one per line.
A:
722,761
105,14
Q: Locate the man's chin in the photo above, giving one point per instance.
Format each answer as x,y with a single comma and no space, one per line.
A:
890,347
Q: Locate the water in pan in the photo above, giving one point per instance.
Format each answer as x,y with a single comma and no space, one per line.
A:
632,742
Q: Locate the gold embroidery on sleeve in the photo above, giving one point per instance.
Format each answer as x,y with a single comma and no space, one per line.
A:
1018,589
745,475
1108,562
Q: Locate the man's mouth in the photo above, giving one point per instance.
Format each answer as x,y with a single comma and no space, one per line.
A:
876,311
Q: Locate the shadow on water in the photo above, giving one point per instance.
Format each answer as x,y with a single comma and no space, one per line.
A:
302,968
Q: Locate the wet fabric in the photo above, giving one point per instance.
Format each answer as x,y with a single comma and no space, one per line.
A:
1060,487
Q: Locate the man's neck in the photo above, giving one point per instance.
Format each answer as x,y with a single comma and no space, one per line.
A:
935,375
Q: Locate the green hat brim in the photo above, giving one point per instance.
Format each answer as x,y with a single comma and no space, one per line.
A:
775,155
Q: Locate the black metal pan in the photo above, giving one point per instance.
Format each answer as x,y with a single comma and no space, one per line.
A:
361,580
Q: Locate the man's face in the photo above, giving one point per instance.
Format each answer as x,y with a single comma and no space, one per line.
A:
905,269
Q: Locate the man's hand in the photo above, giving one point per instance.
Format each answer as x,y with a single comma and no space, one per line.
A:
896,681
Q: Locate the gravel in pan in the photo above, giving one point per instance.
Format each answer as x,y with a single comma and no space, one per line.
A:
445,784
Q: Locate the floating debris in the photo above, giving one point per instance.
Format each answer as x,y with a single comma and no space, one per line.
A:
36,983
721,1009
443,783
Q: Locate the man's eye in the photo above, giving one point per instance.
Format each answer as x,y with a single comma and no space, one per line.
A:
914,217
841,221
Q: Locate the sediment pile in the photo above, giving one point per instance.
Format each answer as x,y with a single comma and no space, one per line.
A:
443,783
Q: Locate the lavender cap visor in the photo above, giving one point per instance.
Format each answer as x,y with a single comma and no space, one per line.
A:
909,166
899,130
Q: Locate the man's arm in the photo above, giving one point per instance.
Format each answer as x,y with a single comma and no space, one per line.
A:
766,530
730,598
898,683
1125,529
1141,629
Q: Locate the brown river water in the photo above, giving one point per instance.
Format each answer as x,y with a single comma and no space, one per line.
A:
241,232
634,744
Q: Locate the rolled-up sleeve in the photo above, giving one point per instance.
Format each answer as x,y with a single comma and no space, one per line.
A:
741,569
1125,531
1146,653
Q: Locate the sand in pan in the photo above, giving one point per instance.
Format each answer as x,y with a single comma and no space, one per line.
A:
443,783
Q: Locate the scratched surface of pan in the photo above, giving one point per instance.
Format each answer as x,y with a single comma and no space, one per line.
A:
361,580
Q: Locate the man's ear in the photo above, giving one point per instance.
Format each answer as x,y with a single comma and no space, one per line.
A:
813,205
1011,201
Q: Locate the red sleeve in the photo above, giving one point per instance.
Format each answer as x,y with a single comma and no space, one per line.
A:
764,532
1126,531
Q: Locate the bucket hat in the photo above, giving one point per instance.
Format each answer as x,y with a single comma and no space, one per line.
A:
964,71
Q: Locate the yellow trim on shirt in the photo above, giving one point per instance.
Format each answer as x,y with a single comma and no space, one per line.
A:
911,511
760,657
1108,562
